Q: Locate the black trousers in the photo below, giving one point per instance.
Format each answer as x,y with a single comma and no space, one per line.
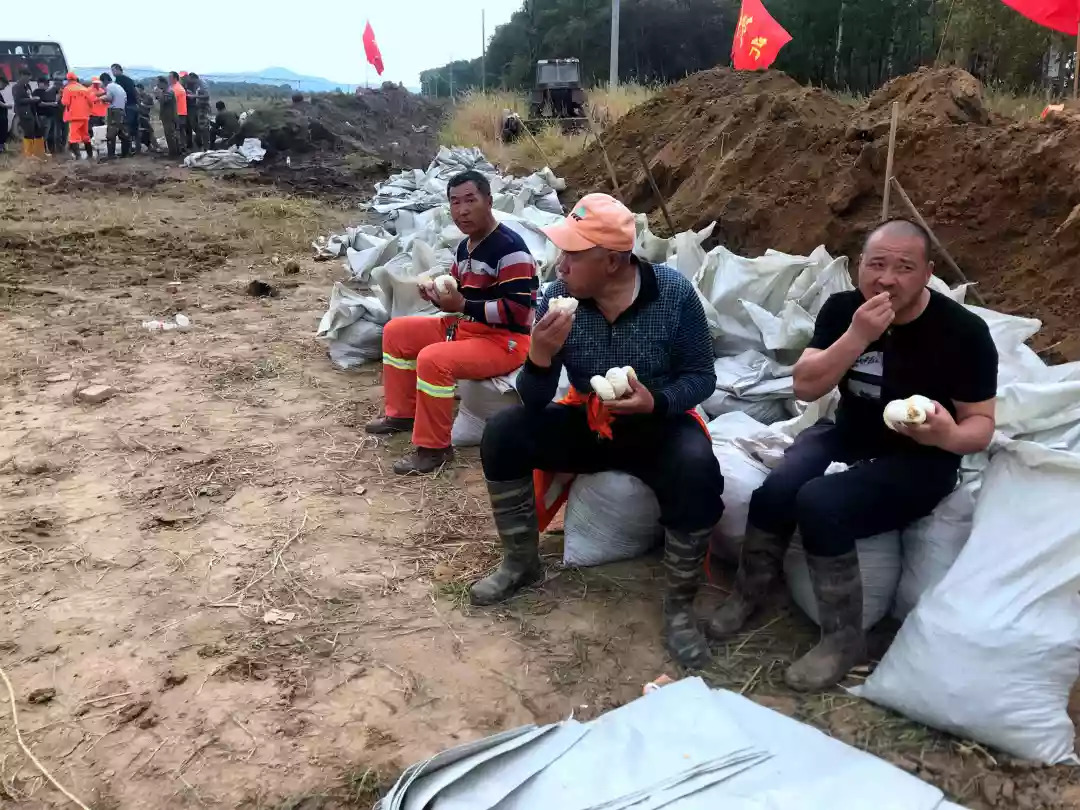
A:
4,128
833,511
672,455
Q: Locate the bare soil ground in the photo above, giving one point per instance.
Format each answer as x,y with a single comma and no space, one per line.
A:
214,593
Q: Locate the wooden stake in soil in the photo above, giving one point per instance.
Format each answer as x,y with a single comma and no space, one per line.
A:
607,160
957,272
536,143
656,190
889,161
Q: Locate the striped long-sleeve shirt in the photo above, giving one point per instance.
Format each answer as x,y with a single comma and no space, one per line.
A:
498,281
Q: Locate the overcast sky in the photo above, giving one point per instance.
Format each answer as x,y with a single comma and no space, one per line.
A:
314,37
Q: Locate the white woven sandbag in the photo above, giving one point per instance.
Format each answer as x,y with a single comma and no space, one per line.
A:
610,516
992,652
481,400
879,565
932,544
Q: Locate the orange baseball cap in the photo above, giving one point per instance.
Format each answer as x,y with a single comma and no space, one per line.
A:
72,77
599,220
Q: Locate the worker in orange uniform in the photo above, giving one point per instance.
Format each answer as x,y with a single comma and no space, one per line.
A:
77,103
99,107
484,333
181,106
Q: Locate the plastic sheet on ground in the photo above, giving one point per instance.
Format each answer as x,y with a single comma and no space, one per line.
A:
235,157
741,756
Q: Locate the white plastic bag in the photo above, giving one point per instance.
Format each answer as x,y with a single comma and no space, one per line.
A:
610,516
879,564
754,384
993,651
481,400
932,544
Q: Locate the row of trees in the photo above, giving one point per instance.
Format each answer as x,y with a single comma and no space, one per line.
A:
844,44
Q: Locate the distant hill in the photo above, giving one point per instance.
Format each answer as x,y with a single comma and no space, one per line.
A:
271,76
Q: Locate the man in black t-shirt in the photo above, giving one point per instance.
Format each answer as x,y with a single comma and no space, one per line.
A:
889,339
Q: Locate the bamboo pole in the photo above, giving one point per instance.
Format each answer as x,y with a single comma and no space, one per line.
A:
536,143
607,160
961,278
656,190
889,162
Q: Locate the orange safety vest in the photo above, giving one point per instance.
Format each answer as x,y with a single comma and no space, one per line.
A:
181,98
553,488
99,107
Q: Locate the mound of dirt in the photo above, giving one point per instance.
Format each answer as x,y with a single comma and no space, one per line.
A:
931,97
389,124
786,167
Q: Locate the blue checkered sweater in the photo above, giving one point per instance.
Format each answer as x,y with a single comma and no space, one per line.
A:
664,335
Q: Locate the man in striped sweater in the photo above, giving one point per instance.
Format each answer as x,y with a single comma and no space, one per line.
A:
484,331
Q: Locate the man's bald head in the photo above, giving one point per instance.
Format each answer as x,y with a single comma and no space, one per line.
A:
905,229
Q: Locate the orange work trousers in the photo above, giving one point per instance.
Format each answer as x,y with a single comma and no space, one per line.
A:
421,367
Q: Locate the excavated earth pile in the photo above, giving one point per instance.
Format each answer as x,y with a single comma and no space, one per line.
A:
338,142
783,166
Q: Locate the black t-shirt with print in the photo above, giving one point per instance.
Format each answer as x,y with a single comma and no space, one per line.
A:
945,354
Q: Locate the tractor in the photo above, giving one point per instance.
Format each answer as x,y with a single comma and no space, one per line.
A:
557,99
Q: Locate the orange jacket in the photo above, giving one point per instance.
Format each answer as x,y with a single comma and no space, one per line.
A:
181,98
99,107
77,102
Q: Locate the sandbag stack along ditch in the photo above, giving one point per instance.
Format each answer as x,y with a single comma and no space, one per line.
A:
988,582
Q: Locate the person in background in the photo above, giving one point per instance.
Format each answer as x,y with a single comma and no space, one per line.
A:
146,127
46,114
77,103
131,109
169,94
226,124
5,108
26,111
483,332
200,123
188,131
629,313
99,109
116,123
889,339
180,100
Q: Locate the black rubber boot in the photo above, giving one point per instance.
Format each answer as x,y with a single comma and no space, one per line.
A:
838,588
513,505
684,559
760,561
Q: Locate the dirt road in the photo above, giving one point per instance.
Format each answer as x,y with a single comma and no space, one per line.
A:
214,594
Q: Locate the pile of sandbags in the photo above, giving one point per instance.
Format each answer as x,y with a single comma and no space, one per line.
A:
416,240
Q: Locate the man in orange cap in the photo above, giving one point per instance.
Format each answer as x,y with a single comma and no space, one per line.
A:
629,313
483,333
77,104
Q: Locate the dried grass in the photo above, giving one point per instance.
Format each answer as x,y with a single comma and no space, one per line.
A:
477,121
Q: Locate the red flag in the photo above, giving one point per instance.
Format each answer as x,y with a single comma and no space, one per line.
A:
371,49
1061,15
759,38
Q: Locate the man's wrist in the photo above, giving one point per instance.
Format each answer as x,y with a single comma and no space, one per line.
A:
539,361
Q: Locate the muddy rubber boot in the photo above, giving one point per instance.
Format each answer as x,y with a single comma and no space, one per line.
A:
423,460
388,425
760,561
684,560
838,588
513,505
